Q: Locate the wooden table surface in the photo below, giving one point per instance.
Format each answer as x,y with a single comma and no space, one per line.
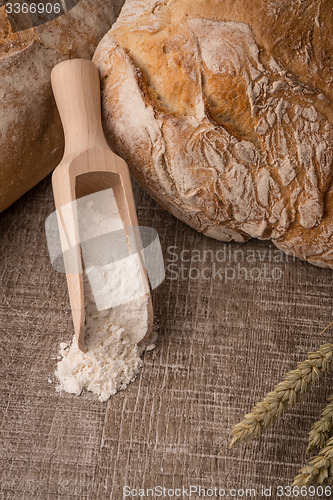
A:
223,342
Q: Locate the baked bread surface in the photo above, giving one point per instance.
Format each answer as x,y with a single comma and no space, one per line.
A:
31,137
223,110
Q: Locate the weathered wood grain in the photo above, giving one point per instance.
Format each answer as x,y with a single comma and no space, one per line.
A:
221,346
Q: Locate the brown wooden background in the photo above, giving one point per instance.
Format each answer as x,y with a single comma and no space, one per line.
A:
221,346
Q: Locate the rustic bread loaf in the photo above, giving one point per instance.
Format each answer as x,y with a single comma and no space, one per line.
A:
223,110
31,138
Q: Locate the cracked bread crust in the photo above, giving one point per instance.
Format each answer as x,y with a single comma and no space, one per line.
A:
31,137
225,115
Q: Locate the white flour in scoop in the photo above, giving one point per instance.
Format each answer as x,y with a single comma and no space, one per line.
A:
113,357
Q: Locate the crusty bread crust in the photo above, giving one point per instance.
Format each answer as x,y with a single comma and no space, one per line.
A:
31,138
223,110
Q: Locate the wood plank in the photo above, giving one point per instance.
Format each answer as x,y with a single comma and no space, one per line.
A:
221,346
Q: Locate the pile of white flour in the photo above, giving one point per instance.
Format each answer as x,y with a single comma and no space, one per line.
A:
116,312
110,364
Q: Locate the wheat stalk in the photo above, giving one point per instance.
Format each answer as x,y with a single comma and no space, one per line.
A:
326,328
322,429
320,469
285,394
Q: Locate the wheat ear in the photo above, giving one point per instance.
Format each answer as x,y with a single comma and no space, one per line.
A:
285,394
322,430
320,469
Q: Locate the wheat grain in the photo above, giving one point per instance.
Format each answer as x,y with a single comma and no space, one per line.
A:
319,472
285,394
322,430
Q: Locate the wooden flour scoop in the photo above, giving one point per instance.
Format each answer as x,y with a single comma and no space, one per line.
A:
88,166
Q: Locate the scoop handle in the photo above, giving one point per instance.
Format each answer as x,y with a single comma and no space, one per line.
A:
76,88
